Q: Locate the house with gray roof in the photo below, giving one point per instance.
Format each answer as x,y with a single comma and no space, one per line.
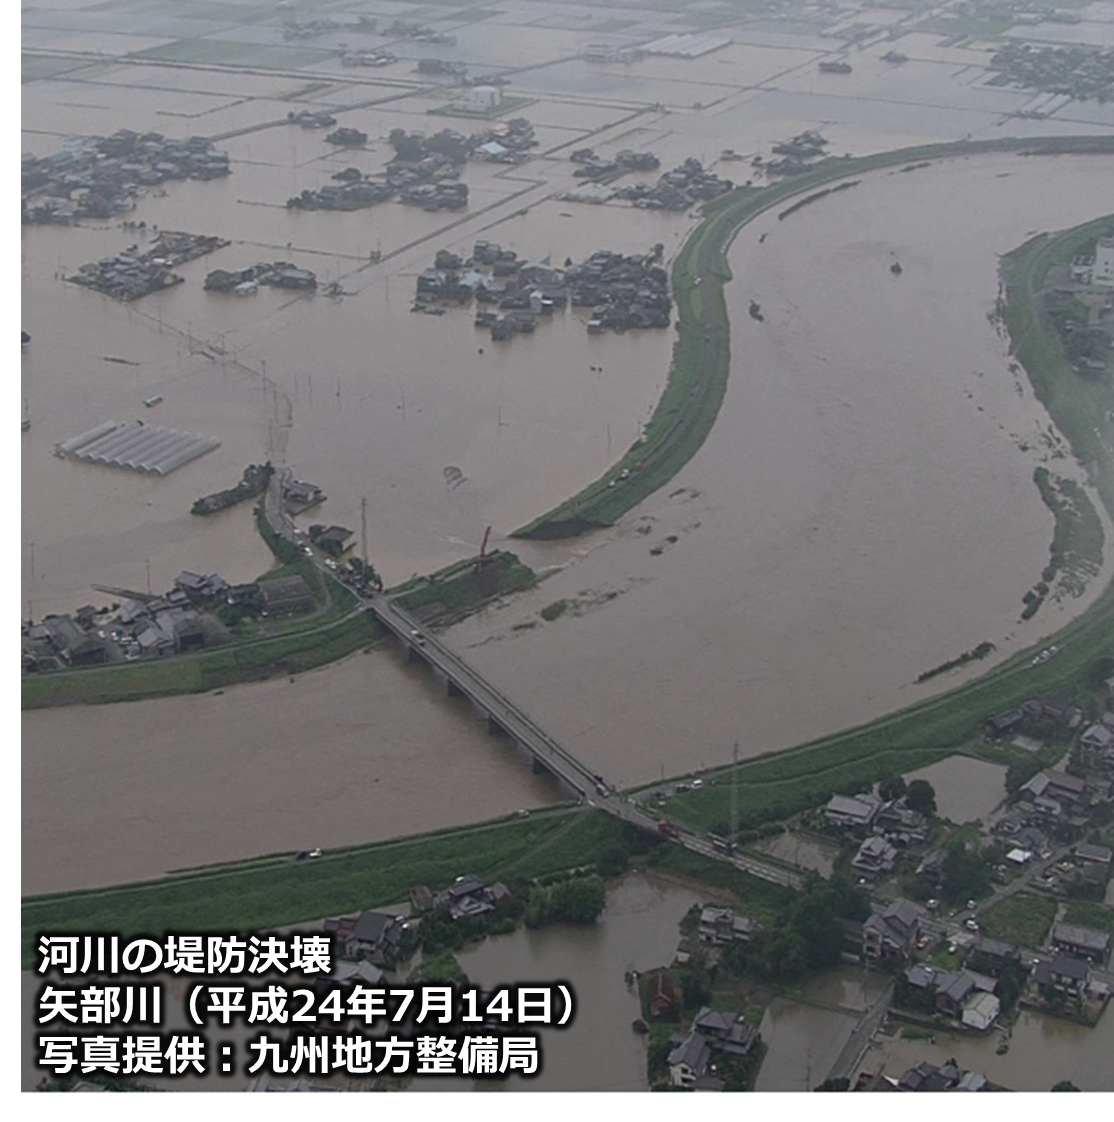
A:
1063,975
876,858
855,812
892,932
714,1032
1083,942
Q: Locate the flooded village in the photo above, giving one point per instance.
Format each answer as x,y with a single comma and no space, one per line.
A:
525,181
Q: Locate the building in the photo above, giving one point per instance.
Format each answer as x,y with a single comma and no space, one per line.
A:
1062,975
876,858
714,1032
469,896
74,645
852,811
1095,859
373,936
330,539
892,932
721,926
981,1011
661,996
481,99
1051,789
993,955
929,1077
286,594
1084,942
1095,740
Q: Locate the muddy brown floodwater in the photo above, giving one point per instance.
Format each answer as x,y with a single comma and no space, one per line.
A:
871,423
862,511
363,750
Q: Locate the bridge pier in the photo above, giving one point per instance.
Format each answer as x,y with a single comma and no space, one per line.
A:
537,766
452,689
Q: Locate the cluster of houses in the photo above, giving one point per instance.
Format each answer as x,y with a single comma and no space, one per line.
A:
1056,705
925,1077
968,996
100,177
717,928
716,1035
678,189
889,826
347,138
794,154
277,274
623,291
184,619
131,274
176,622
431,182
1078,72
467,896
964,996
596,167
371,939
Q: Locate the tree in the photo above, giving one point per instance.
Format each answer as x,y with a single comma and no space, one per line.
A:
576,900
407,145
839,1084
965,874
696,986
891,787
613,859
1064,1085
815,920
921,796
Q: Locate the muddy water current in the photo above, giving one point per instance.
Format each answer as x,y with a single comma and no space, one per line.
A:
863,510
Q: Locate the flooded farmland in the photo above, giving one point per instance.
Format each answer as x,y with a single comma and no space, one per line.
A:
965,789
863,511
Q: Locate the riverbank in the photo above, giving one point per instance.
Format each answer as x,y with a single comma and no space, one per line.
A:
701,357
279,891
776,785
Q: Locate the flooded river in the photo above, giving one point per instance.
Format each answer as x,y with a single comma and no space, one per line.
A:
814,541
863,510
364,750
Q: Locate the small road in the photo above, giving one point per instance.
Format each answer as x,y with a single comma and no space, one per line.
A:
856,1046
956,923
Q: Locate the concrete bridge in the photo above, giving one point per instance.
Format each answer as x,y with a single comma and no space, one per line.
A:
501,714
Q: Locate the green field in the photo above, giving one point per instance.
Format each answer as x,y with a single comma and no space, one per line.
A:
1024,919
220,52
275,891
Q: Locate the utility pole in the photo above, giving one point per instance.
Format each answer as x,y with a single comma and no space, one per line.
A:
734,797
363,531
